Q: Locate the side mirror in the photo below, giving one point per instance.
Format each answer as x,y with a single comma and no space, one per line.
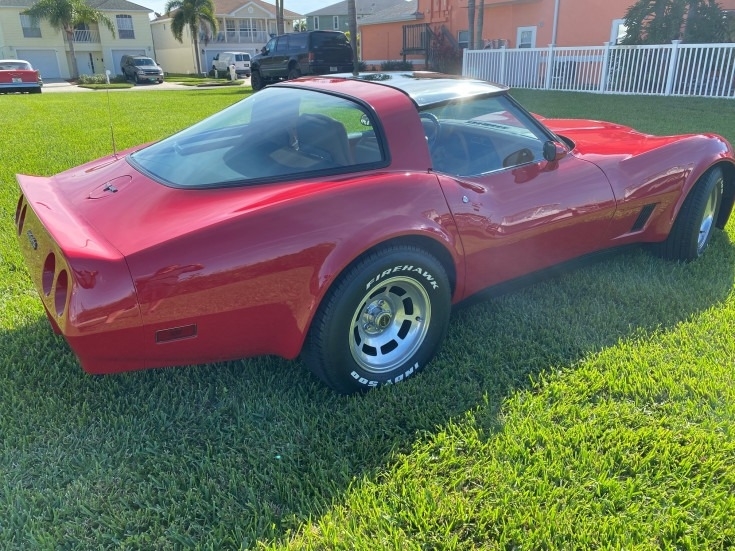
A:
264,50
554,151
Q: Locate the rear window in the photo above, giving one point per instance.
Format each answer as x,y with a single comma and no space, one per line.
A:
328,39
15,66
242,57
278,133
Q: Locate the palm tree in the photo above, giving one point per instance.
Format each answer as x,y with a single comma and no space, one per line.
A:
64,15
191,13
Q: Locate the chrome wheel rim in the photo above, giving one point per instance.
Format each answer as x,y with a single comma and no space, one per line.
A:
389,325
708,218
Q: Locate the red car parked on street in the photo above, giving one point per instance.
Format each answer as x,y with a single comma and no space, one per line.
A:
340,218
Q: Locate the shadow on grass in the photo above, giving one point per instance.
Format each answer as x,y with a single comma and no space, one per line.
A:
227,454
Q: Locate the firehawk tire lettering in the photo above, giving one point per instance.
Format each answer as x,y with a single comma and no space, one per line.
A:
430,278
381,322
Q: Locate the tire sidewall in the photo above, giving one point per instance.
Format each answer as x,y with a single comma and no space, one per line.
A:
366,278
256,80
713,179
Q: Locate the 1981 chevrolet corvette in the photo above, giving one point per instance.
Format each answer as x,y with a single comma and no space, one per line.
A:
339,219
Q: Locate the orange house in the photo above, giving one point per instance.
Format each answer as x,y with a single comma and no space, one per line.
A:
513,23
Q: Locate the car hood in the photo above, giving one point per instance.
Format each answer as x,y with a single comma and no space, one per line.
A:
132,212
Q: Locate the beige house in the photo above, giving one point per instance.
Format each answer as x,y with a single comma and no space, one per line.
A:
244,26
96,48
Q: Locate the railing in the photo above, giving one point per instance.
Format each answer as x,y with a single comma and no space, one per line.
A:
243,36
671,69
86,36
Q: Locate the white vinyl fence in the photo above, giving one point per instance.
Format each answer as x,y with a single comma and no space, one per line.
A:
674,69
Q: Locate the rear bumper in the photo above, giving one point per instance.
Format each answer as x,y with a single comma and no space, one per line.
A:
20,86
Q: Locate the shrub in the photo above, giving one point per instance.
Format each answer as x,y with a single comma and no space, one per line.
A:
396,66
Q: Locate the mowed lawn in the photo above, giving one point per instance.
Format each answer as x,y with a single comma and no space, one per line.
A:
592,410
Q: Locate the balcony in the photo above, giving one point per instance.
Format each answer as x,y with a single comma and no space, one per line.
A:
86,36
243,36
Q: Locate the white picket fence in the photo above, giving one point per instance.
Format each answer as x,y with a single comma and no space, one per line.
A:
674,69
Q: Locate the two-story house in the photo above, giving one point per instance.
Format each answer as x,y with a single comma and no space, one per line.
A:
96,49
334,17
244,26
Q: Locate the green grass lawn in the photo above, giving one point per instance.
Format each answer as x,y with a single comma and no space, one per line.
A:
593,410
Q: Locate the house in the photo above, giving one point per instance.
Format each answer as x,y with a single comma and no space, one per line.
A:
506,23
243,26
334,17
381,34
96,49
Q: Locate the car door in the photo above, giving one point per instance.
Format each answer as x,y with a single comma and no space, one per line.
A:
516,211
266,57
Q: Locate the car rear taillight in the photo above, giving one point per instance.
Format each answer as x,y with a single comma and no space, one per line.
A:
311,57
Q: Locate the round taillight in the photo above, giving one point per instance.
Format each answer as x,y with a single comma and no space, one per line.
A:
49,271
62,290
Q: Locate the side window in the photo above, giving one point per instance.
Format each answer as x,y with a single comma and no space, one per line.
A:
271,45
281,45
481,135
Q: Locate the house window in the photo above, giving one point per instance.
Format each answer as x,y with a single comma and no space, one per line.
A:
31,29
125,26
316,23
526,37
463,39
618,31
335,22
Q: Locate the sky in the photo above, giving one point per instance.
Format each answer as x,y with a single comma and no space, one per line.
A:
298,6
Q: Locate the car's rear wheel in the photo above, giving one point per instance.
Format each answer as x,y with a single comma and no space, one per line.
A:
382,322
135,78
256,81
695,224
294,73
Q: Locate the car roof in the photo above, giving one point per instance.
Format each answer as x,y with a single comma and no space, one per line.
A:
426,87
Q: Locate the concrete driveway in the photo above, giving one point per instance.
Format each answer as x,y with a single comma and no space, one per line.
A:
63,86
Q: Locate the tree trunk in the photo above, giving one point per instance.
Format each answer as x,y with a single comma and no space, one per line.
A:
471,23
196,53
479,42
352,23
69,32
279,17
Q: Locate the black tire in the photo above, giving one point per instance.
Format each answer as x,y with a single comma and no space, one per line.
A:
695,223
135,78
256,81
293,73
36,90
383,320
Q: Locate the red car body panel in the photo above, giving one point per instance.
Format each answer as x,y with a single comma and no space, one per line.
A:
159,275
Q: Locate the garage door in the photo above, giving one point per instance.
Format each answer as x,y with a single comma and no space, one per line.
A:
117,57
42,60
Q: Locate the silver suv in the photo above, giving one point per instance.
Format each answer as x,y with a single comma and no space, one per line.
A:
141,69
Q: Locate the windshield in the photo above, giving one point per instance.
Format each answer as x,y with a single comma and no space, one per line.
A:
144,61
275,134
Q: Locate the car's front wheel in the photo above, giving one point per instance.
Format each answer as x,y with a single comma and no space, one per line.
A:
695,224
382,322
256,81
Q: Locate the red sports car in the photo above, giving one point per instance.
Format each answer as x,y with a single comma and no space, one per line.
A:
17,75
340,218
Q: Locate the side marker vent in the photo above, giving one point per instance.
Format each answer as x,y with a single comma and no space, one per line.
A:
643,217
176,333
